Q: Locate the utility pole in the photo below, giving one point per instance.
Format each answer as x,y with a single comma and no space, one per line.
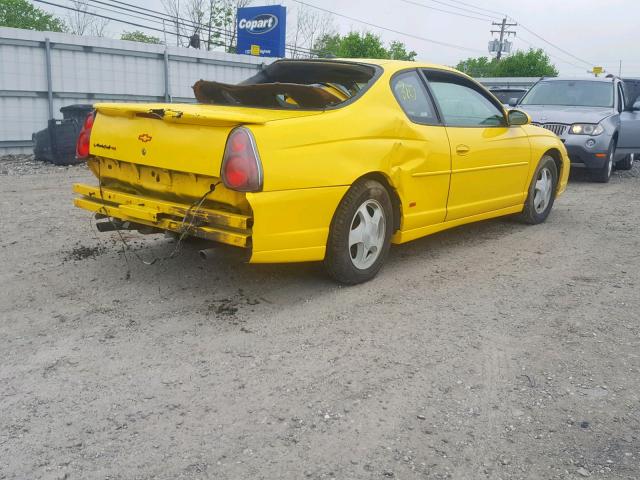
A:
164,30
503,31
178,24
210,22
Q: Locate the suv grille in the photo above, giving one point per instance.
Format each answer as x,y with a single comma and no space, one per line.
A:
557,128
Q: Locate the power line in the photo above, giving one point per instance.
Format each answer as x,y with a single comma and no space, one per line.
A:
424,39
528,30
181,21
555,46
120,12
103,16
186,22
137,10
160,19
436,41
444,11
464,9
163,17
170,19
550,55
144,9
478,8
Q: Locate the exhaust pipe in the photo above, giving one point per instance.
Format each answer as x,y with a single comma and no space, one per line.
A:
115,224
112,226
207,253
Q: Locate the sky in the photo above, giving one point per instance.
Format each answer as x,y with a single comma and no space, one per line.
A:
588,32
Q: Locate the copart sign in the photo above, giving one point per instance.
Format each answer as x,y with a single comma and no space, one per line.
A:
262,30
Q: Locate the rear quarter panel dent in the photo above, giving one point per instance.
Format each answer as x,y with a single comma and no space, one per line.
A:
293,220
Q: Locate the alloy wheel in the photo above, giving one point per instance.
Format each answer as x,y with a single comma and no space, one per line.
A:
367,234
610,163
543,190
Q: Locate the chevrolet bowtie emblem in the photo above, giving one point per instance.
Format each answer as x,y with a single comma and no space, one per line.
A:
145,137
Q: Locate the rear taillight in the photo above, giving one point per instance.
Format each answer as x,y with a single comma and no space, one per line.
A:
241,168
83,143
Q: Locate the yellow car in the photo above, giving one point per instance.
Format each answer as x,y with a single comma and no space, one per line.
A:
320,160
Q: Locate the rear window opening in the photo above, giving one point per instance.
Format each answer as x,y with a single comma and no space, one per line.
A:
293,85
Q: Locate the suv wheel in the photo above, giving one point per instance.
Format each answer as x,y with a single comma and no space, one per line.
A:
603,174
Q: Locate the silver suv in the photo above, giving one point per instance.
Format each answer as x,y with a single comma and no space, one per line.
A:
597,119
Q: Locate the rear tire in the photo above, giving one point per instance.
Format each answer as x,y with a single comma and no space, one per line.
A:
603,174
542,192
626,163
360,233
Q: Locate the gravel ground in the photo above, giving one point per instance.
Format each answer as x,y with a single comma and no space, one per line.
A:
494,350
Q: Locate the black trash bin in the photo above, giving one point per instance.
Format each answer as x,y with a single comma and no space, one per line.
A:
57,142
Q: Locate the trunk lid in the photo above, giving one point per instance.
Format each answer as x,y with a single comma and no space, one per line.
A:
181,137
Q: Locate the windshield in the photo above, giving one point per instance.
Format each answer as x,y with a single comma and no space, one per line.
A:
578,93
505,96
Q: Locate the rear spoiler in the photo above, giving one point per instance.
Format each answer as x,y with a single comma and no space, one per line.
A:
217,118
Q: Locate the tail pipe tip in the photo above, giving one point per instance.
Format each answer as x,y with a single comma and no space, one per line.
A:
207,253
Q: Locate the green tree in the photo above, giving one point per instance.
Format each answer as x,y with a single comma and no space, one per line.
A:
398,51
21,14
532,63
360,45
328,45
477,67
138,36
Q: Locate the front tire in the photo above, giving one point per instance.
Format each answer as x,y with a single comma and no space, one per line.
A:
603,174
360,234
542,192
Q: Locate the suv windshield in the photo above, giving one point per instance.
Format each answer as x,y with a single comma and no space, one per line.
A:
579,93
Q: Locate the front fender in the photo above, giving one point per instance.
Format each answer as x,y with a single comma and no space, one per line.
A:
542,141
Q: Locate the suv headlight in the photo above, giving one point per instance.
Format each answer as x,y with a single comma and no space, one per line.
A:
586,129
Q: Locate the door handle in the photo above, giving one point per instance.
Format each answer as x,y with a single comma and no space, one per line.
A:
462,149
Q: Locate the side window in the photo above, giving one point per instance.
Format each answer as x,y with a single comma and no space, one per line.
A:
412,96
462,105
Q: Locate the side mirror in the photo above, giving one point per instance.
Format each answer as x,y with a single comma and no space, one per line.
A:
513,101
518,117
636,106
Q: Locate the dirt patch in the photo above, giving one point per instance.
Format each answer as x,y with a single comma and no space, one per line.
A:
82,252
494,350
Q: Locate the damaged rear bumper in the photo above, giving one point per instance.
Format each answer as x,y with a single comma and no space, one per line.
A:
210,224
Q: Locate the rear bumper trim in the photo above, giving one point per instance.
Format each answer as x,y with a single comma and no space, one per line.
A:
216,225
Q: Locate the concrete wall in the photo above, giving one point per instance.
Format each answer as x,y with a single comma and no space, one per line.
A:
90,69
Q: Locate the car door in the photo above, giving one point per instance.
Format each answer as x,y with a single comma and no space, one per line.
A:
422,159
490,161
629,128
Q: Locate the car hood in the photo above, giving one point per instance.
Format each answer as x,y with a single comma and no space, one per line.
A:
564,114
